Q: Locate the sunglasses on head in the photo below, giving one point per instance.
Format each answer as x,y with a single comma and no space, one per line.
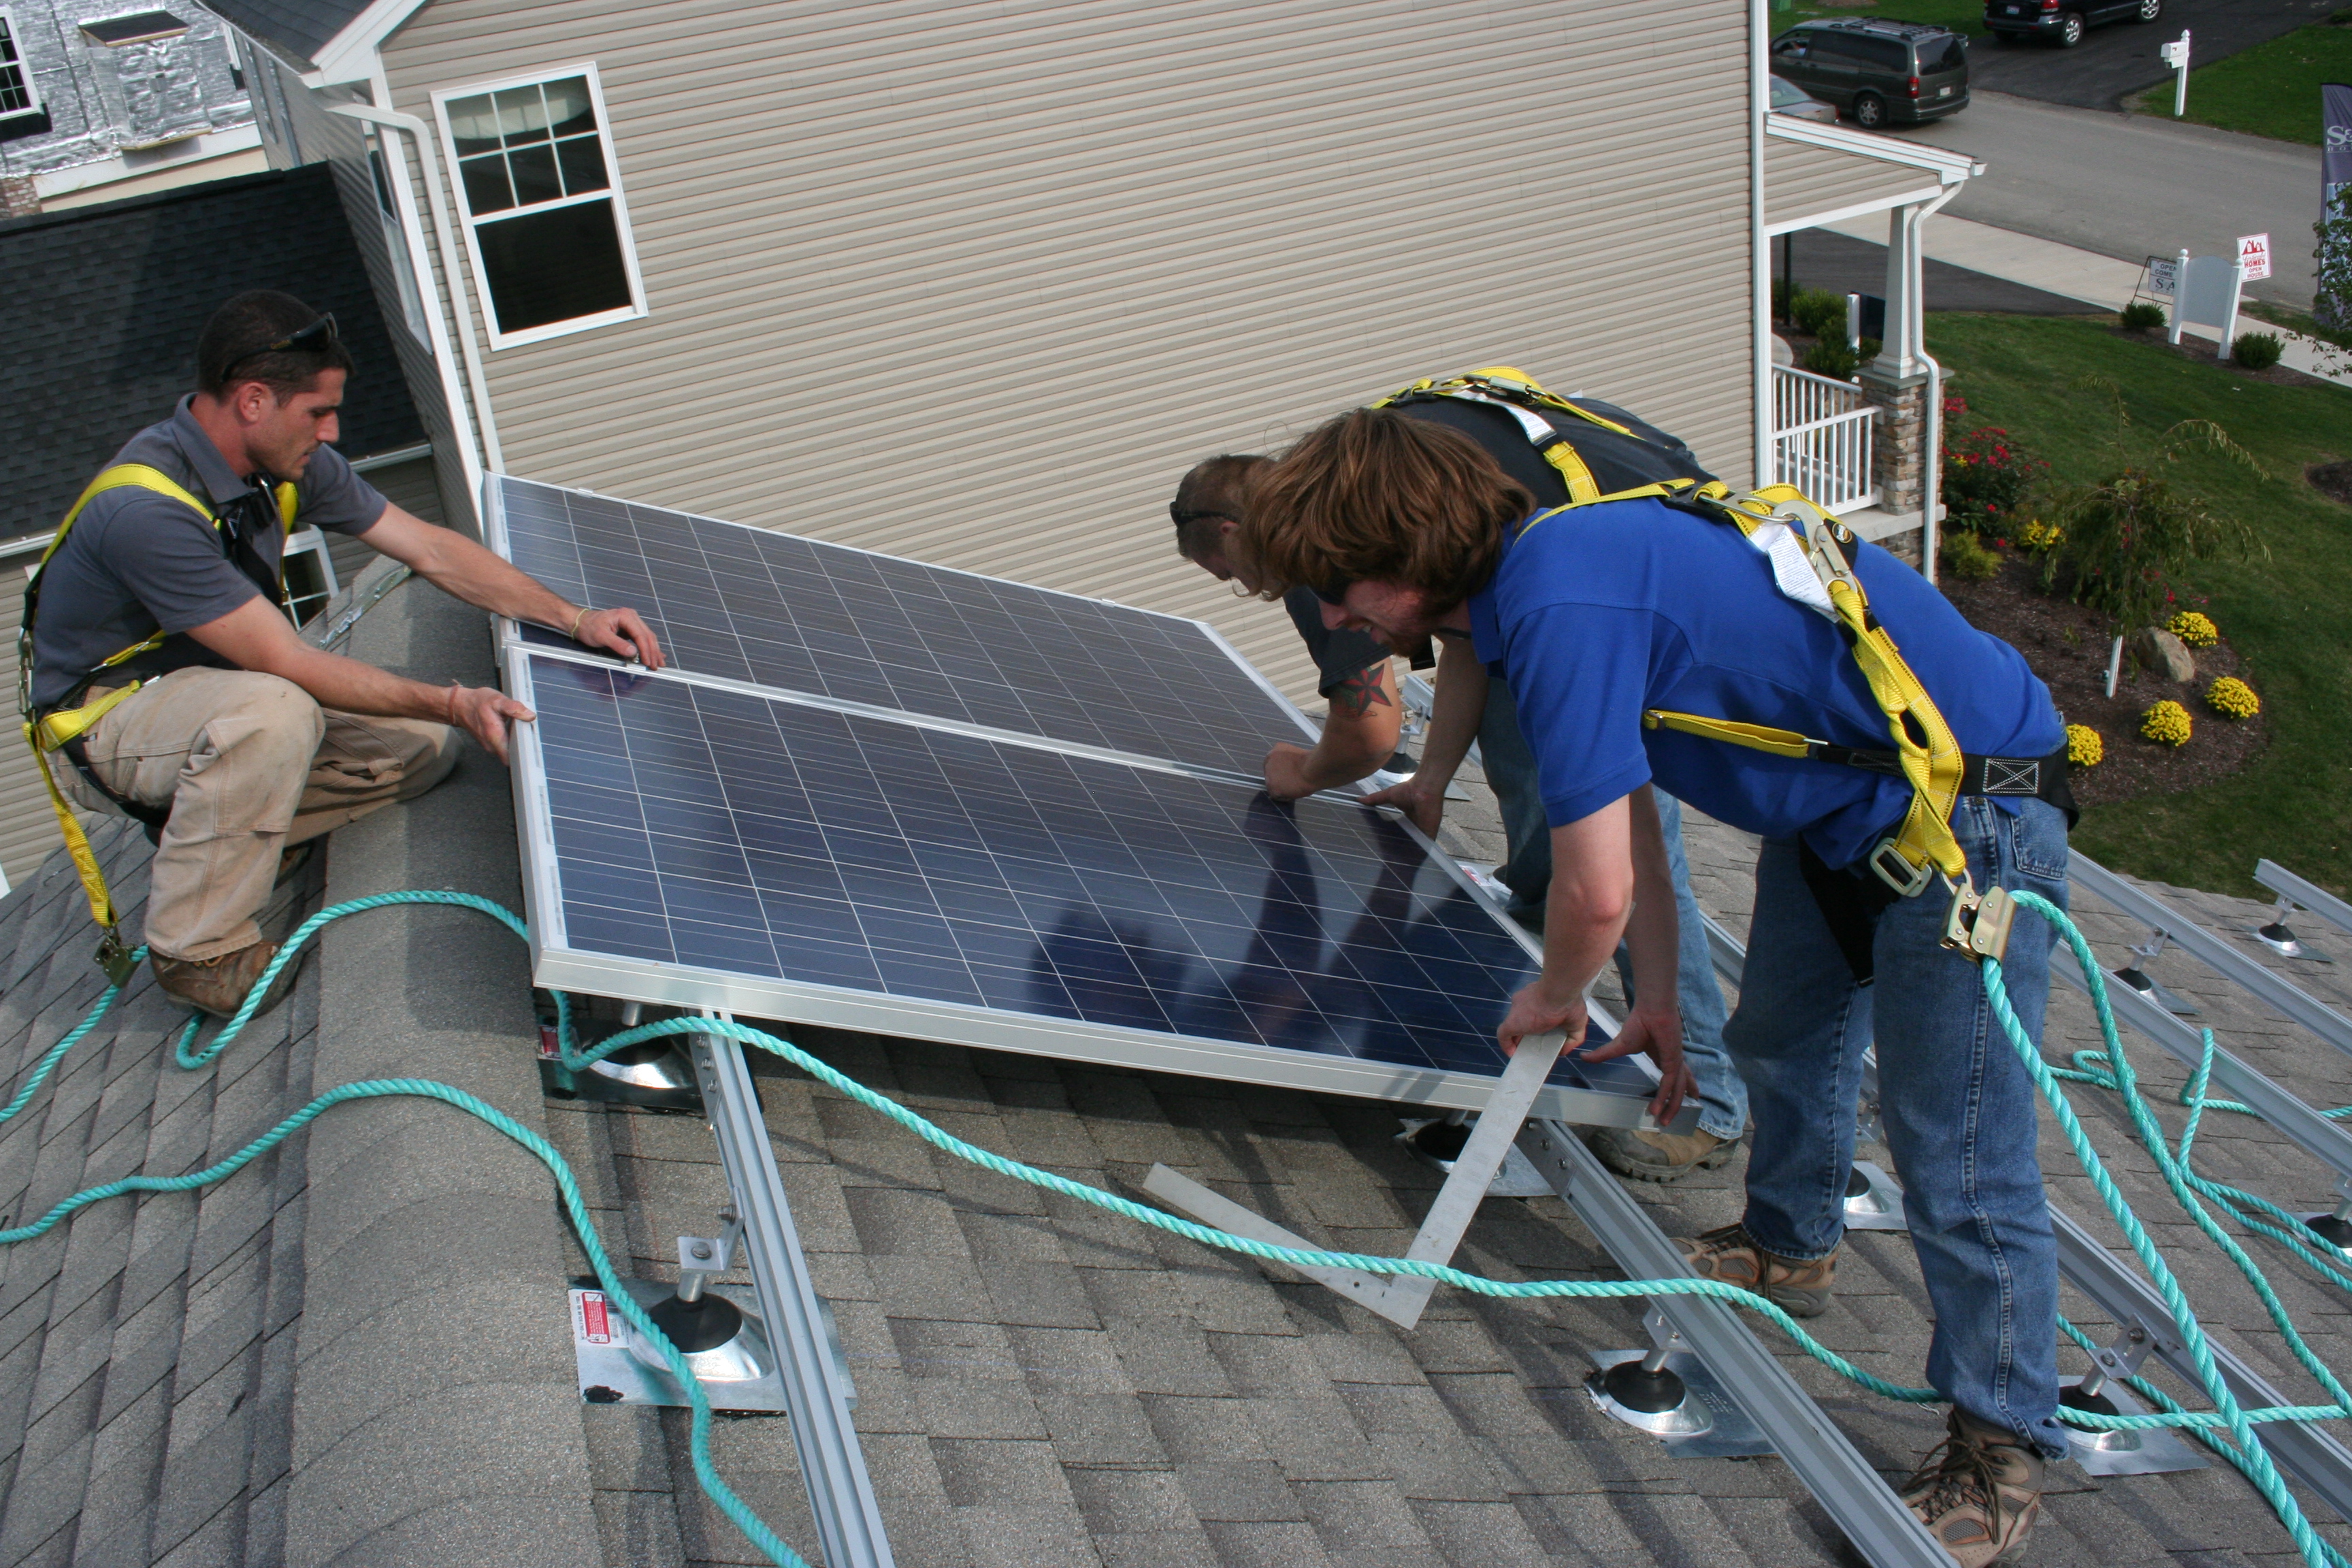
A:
316,338
1334,593
1179,516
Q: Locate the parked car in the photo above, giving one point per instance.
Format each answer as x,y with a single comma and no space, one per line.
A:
1793,100
2062,22
1881,73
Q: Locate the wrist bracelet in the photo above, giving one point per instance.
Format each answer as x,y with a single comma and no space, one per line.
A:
574,633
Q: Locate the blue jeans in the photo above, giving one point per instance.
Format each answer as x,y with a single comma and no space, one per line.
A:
1510,768
1957,1105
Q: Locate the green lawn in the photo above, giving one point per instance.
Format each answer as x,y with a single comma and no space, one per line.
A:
1960,15
2271,89
2290,616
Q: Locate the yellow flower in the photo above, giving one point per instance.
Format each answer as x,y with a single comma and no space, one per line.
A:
2195,630
2084,748
2167,724
2039,536
2233,699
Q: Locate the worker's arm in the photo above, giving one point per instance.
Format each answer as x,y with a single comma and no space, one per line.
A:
256,635
1455,712
1359,734
1610,879
457,565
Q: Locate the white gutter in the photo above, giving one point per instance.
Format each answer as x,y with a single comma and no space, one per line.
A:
1950,168
1931,458
479,446
1760,248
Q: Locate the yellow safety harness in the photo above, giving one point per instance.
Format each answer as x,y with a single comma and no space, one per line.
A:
60,728
1807,549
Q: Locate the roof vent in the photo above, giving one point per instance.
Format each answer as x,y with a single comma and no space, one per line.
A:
138,27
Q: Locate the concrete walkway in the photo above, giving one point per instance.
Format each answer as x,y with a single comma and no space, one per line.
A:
2085,275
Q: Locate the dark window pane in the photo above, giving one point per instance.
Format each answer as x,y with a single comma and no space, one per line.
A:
1951,55
569,109
534,174
1890,53
486,190
583,166
522,116
554,265
473,124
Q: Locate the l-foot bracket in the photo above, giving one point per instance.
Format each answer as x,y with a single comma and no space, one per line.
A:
1401,1299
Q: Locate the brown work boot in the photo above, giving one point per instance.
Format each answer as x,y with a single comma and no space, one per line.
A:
219,986
1978,1492
1648,1155
1799,1287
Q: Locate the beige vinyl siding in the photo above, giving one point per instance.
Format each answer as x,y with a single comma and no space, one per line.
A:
975,283
1801,181
28,826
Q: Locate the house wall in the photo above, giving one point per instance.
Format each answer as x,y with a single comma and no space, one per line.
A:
974,283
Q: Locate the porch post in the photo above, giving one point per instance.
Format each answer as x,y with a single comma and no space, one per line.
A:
1896,383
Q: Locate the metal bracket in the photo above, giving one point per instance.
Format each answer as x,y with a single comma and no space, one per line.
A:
1874,1200
1709,1423
1401,1299
2147,985
2280,937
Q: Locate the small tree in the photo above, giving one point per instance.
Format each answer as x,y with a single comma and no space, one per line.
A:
2128,539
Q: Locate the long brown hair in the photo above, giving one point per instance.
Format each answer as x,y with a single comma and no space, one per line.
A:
1374,494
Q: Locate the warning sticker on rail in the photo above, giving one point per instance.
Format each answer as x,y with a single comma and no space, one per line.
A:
591,1318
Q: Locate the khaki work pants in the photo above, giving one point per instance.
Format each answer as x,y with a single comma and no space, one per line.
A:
249,764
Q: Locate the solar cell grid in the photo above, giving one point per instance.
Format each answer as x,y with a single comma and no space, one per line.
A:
699,827
781,611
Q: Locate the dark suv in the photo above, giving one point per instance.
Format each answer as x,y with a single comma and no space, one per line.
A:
2063,22
1879,72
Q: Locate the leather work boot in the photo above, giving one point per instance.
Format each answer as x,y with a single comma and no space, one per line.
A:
1799,1287
1648,1155
219,986
1978,1492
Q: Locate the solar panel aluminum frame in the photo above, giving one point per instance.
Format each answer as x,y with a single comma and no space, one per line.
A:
510,632
556,966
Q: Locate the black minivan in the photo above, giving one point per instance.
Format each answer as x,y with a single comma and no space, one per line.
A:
1881,73
2062,22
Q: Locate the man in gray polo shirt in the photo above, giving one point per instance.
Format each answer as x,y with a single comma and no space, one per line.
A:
231,737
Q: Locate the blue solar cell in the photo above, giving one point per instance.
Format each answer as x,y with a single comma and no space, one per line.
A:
777,610
719,830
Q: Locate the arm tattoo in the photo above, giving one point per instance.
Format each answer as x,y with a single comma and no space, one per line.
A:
1354,697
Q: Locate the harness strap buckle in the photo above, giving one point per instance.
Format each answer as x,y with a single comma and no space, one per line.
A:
118,962
1889,864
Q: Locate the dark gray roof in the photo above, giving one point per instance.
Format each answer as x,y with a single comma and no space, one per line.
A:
360,1354
105,303
298,28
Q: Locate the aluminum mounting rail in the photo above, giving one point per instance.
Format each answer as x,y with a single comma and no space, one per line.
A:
2283,997
1855,1495
2317,900
2323,1140
833,1467
2301,1449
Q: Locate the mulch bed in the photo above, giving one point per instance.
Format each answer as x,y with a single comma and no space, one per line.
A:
2067,646
2333,481
2205,352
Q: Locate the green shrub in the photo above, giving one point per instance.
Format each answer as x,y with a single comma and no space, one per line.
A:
1964,558
1987,477
2257,350
1780,299
1818,313
2129,539
1831,358
2139,316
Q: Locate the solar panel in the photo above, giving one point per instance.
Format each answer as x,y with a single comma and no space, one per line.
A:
692,843
798,615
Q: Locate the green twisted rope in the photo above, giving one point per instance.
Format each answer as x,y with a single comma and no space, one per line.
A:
2241,1445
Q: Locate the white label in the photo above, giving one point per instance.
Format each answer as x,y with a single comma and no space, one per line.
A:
2163,276
2254,254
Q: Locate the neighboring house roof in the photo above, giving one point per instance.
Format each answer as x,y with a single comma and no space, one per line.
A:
105,304
300,27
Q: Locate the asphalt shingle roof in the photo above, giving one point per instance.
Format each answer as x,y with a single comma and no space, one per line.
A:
105,304
359,1352
298,28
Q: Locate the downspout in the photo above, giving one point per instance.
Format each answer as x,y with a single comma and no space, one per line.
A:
1931,459
1758,248
482,423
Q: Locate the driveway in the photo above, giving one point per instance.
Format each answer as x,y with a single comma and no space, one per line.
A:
2131,186
2119,57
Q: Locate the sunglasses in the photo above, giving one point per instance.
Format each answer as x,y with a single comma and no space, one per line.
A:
1334,593
1179,516
316,338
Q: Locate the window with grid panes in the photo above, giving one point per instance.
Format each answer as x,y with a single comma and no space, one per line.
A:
544,210
18,95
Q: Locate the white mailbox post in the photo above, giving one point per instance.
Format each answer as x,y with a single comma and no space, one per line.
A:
2175,55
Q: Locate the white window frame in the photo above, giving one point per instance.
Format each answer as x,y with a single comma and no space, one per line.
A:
381,150
614,193
24,69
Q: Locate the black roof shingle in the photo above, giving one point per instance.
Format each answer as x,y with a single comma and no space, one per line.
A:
302,27
106,303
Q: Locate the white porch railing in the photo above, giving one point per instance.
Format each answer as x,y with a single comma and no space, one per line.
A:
1822,432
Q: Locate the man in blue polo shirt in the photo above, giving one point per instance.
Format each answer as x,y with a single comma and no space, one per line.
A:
1602,616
